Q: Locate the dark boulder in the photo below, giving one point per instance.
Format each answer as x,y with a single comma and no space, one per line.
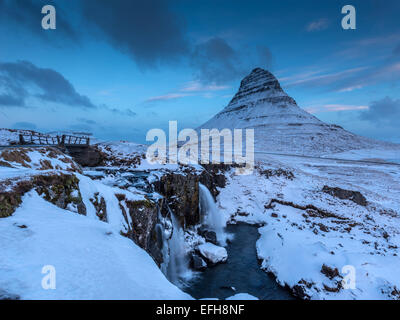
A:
198,263
343,194
329,272
209,236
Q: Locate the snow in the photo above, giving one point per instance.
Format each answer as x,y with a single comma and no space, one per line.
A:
213,253
7,136
42,158
242,296
280,125
91,259
388,155
295,243
89,188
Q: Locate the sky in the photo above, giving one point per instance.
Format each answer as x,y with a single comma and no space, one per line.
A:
120,68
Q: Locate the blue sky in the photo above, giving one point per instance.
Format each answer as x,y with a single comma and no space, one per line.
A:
119,68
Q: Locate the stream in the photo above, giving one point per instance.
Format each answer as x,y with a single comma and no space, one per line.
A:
242,271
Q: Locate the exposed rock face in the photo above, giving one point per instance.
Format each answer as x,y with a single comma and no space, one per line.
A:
100,206
209,236
198,263
59,189
181,190
213,177
343,194
122,154
86,156
142,230
277,173
279,124
182,194
329,272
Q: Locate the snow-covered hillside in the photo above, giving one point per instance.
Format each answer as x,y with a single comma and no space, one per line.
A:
280,125
320,216
51,214
91,259
10,136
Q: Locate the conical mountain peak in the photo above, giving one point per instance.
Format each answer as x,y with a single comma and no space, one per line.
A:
259,84
279,124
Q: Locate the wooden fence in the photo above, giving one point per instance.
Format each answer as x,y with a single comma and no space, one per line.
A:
63,140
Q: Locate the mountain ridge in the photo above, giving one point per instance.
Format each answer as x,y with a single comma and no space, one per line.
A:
280,125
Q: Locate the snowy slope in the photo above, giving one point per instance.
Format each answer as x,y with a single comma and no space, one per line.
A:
91,259
8,136
279,124
296,240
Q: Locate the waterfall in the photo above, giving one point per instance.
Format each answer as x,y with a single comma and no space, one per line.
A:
212,218
178,264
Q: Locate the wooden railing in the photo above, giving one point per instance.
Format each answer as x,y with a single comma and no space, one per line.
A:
64,140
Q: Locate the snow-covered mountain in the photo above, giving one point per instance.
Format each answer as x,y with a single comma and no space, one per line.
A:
279,124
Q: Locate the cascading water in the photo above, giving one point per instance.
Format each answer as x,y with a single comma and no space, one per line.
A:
177,269
212,218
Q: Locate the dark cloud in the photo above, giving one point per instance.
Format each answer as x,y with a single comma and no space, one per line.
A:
386,110
27,14
146,30
23,79
216,61
24,125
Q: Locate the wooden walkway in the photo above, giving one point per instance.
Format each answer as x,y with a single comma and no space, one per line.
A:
36,139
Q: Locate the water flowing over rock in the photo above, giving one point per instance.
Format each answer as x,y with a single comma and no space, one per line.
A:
178,265
212,218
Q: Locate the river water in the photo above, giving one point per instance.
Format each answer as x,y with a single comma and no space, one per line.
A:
242,271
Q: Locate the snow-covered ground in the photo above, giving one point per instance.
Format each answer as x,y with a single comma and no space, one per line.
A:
310,238
90,258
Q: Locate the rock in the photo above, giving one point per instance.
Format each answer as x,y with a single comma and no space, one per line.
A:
60,189
343,194
86,156
198,263
277,173
213,177
182,194
142,230
329,272
214,254
209,236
